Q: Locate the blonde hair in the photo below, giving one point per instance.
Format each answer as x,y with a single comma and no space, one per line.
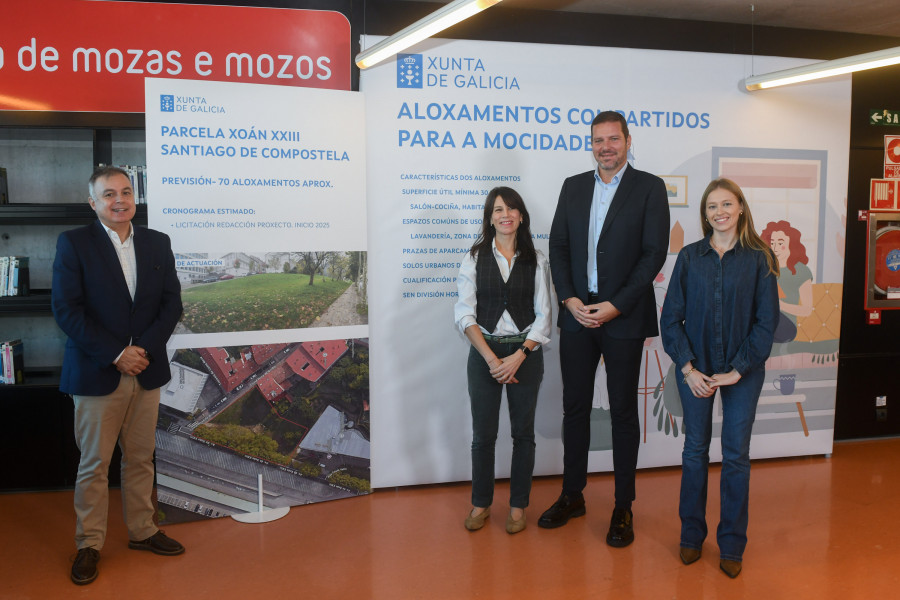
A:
746,231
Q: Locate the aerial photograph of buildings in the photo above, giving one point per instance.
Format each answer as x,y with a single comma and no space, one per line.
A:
296,413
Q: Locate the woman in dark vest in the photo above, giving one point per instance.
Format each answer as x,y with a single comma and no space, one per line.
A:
504,311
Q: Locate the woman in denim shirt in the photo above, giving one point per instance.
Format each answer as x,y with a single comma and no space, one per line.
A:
717,325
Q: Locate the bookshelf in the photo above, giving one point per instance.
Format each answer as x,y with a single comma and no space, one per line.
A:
57,214
48,158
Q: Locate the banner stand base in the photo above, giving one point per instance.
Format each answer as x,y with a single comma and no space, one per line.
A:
263,515
272,514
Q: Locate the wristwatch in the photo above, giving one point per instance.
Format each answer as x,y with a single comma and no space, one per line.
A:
525,350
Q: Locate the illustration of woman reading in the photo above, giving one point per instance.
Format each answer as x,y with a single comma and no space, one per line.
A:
795,282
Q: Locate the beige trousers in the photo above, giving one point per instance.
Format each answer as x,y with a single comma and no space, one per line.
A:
128,415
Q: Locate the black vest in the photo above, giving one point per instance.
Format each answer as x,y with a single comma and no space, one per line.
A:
493,295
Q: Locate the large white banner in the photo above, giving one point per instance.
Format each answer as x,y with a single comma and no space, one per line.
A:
453,119
262,191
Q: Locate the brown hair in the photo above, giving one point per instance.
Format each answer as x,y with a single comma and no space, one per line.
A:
746,231
796,249
610,116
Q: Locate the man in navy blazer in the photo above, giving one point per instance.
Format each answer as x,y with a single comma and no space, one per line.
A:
117,297
608,241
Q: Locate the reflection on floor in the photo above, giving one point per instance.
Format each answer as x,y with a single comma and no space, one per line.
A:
819,528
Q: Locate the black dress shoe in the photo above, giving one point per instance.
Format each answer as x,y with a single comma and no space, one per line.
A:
621,529
567,507
84,570
158,543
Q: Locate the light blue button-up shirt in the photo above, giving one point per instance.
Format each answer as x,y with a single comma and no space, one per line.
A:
603,195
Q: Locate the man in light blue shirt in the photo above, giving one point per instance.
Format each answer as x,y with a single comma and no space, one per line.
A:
608,241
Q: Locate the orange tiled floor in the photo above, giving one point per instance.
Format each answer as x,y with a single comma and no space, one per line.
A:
819,528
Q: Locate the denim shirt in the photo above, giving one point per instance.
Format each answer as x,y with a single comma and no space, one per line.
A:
720,314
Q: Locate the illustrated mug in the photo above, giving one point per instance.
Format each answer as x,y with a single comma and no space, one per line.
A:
785,383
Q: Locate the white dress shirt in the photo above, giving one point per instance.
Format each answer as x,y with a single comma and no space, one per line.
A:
464,311
125,252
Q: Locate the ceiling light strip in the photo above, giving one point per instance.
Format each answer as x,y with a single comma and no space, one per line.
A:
830,68
441,19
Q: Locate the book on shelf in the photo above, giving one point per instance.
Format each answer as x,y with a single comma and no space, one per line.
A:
4,187
12,370
4,274
14,276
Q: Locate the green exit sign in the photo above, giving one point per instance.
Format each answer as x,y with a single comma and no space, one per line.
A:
884,117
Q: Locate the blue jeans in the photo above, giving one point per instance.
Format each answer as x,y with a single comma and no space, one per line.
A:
738,413
484,395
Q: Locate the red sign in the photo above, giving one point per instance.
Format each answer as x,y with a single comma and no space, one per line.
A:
86,55
873,316
891,150
892,171
883,194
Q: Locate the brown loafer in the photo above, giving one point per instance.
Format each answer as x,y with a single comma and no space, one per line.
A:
689,555
515,525
84,569
158,543
476,523
732,568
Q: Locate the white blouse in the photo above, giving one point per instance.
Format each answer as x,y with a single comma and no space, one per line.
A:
464,311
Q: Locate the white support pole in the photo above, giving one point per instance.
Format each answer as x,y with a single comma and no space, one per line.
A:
262,515
259,490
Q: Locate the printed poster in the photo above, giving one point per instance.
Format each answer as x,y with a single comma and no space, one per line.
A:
262,191
450,119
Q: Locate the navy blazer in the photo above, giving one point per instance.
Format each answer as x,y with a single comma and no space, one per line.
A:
630,253
92,306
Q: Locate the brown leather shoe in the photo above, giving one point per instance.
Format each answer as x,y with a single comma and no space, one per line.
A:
158,543
514,525
689,555
477,522
84,569
732,568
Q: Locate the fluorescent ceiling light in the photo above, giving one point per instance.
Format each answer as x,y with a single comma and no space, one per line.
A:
829,68
441,19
